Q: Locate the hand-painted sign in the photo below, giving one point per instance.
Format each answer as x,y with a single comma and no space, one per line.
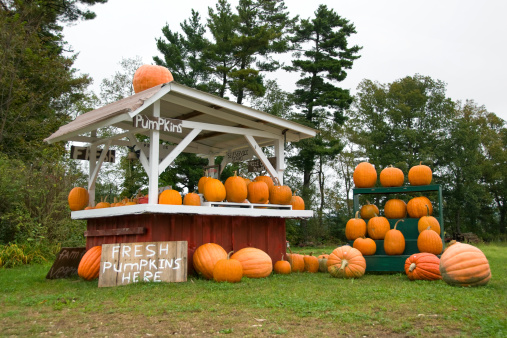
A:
66,263
125,263
238,155
83,153
158,123
257,165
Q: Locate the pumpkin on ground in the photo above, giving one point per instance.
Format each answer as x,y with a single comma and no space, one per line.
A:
429,241
428,221
255,262
346,262
311,263
391,177
258,192
365,175
420,206
78,198
170,196
235,188
464,265
280,194
228,270
355,228
297,202
214,190
297,262
206,256
282,267
394,241
395,208
89,267
323,262
369,210
423,266
377,227
366,246
420,175
192,199
148,76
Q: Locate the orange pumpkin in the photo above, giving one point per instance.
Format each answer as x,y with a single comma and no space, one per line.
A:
355,228
346,262
255,262
297,262
214,190
311,263
235,188
395,208
369,210
418,207
429,241
428,221
297,203
148,76
280,194
258,192
206,256
464,265
170,196
282,267
89,267
377,227
366,246
394,241
391,177
365,175
78,198
192,199
420,175
102,205
228,270
266,179
201,183
423,266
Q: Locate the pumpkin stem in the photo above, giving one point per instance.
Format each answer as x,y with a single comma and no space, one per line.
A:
412,267
357,214
229,254
428,209
344,264
401,220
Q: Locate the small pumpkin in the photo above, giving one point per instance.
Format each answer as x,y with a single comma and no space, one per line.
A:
282,267
148,76
192,199
280,194
255,262
89,266
228,270
235,188
258,192
395,208
369,210
297,202
214,190
428,221
78,198
391,177
297,263
355,228
170,196
420,206
311,263
394,241
423,266
346,262
429,241
420,175
464,265
206,256
365,175
377,227
323,262
202,182
366,246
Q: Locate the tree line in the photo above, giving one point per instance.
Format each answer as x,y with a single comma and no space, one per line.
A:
231,53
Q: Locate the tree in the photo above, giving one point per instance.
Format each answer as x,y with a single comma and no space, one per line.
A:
120,84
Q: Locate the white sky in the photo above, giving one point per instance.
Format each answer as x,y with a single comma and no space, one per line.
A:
461,42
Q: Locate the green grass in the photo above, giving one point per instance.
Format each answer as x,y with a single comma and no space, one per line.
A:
289,305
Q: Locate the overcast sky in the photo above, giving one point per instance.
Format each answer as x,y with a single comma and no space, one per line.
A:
462,43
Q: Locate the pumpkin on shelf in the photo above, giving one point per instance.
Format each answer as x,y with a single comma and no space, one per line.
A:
202,182
311,263
266,179
366,246
297,262
464,265
148,76
429,241
420,206
365,175
192,199
391,177
255,262
420,175
282,267
214,190
394,241
428,221
377,227
346,262
228,270
235,188
395,208
89,266
103,204
355,228
423,266
258,192
280,194
170,196
369,210
206,256
297,202
78,198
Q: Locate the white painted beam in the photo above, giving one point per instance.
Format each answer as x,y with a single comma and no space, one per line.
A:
258,151
154,159
177,150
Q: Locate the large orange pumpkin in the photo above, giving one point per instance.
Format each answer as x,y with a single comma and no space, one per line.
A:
391,177
394,241
429,241
206,256
235,188
420,206
395,208
258,192
214,190
89,267
78,198
255,262
420,175
377,227
228,270
464,265
346,262
148,76
365,175
355,228
423,266
170,196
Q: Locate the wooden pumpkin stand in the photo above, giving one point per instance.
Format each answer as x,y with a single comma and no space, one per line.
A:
193,122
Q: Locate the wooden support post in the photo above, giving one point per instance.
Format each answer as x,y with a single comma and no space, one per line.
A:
280,158
154,158
91,169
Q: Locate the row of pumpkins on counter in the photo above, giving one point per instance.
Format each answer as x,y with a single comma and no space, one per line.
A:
236,189
460,264
365,176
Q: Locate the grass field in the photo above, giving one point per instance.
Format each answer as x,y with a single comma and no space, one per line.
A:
313,305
